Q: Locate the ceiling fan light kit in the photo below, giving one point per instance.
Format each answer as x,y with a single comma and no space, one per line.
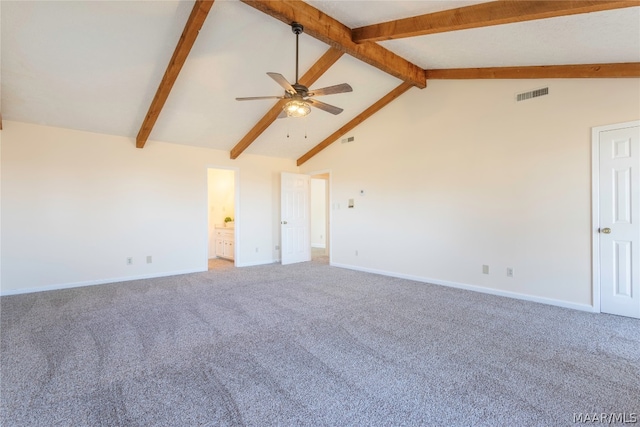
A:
296,108
299,95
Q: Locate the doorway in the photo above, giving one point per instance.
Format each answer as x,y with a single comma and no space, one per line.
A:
221,214
616,219
320,217
297,215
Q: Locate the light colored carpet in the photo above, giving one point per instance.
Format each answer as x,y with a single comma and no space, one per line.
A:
306,345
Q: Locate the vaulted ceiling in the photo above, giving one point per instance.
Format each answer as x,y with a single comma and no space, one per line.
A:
171,70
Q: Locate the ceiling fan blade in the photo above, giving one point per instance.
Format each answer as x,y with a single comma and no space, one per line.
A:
326,107
330,90
279,78
252,98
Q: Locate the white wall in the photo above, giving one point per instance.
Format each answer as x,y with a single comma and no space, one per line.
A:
75,205
221,200
458,175
318,212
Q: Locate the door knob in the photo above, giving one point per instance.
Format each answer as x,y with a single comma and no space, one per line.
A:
605,230
284,222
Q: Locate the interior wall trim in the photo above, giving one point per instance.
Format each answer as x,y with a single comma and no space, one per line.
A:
474,288
97,282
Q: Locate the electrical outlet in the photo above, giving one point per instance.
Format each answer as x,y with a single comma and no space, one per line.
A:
129,261
485,269
277,247
356,252
256,249
509,272
149,259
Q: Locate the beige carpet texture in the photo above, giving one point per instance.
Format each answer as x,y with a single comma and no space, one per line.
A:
307,345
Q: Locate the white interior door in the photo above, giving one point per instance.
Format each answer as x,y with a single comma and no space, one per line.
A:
619,228
295,223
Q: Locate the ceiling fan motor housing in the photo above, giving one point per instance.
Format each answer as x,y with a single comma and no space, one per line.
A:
301,90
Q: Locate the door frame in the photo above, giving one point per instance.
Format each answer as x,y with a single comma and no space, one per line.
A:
236,210
329,210
595,205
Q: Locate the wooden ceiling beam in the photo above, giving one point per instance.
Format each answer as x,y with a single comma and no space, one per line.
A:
187,39
319,68
482,15
328,30
257,130
356,121
590,71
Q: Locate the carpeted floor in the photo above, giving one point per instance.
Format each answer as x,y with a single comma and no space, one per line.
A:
307,345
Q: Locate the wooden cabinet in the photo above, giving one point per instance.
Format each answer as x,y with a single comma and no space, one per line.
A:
225,239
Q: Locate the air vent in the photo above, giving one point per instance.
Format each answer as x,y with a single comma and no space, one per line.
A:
532,94
349,139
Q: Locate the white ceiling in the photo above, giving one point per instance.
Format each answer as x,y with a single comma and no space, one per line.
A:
95,65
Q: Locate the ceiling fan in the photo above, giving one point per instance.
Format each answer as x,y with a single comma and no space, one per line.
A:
301,98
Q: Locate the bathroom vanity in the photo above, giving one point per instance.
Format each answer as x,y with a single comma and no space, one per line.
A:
225,239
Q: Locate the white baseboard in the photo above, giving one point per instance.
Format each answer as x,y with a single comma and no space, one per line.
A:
475,288
97,282
118,279
318,245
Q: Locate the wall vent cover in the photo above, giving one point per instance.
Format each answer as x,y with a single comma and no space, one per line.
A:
349,139
532,94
